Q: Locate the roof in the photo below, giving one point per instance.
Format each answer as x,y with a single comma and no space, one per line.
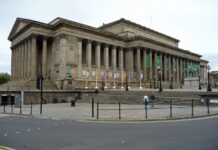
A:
27,22
122,20
59,20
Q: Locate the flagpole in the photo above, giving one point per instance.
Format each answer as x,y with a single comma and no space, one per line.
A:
114,81
129,80
86,87
105,78
140,78
122,78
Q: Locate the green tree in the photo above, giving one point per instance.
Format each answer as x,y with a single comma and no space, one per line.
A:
4,77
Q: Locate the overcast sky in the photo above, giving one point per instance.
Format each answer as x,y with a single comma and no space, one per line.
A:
193,22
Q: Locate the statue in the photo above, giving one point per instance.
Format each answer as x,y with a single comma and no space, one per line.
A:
192,69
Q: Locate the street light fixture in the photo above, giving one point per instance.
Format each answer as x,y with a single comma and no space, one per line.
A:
208,77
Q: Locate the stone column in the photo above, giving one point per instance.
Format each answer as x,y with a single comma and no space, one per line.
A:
12,62
79,57
138,64
19,62
173,68
177,69
44,57
131,61
22,61
98,55
155,65
121,58
151,65
89,55
161,65
16,62
181,69
144,63
33,58
26,60
165,67
114,58
169,68
106,56
29,59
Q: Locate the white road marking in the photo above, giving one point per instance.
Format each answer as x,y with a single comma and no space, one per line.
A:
5,134
28,130
17,132
38,128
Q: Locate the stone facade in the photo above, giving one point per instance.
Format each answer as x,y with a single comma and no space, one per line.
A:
75,54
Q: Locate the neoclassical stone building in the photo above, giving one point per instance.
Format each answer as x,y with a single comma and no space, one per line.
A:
85,56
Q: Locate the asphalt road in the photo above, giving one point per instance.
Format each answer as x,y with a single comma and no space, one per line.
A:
27,133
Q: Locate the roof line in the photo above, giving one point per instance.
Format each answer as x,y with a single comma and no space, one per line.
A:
135,24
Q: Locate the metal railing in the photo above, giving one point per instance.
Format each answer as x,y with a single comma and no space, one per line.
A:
162,109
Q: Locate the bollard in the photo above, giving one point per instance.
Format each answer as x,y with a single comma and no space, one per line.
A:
4,108
208,106
146,110
31,108
97,110
119,111
20,107
171,109
192,107
93,107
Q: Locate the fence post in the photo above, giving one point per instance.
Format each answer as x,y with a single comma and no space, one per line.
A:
146,110
119,111
97,111
93,107
171,109
208,106
20,107
192,107
31,108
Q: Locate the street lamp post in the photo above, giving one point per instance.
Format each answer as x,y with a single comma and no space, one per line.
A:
154,79
171,81
127,83
199,87
160,87
208,79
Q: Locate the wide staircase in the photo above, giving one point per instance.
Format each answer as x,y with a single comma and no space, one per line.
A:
136,97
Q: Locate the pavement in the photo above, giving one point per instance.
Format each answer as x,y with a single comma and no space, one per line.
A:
128,112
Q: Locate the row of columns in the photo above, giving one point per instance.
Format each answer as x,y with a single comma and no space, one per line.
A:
24,59
171,67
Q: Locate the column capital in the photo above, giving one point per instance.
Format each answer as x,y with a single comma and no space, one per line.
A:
89,41
98,43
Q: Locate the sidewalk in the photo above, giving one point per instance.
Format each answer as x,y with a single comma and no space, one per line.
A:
83,111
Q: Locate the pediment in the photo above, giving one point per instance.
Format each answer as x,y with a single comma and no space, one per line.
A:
18,25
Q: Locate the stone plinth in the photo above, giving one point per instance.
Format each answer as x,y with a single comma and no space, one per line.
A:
191,83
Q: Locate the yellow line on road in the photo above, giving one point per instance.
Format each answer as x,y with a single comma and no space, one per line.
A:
6,148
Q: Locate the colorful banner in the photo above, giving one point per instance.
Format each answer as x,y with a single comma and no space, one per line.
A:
106,75
87,73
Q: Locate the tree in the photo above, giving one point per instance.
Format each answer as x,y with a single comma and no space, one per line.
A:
4,77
